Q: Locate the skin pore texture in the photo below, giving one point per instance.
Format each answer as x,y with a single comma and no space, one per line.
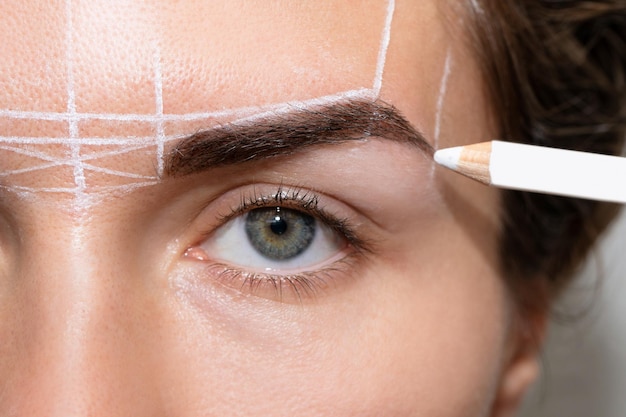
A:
118,295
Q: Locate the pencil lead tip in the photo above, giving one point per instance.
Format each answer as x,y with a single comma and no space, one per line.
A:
448,157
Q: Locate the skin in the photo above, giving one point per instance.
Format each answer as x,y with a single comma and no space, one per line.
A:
110,299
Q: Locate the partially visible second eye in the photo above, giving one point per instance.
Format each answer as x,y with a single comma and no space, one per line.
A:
275,239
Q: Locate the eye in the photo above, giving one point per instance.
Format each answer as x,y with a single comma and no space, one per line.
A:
289,236
283,240
276,239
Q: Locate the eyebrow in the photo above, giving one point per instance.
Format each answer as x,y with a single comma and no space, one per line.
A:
289,132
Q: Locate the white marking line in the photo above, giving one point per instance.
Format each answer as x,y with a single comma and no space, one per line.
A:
441,98
443,88
55,162
29,152
79,172
93,141
103,170
100,190
50,158
30,169
289,106
158,92
129,117
87,167
72,117
52,161
69,55
384,45
115,152
153,119
142,141
137,143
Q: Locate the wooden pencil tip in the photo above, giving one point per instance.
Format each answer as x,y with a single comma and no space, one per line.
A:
471,160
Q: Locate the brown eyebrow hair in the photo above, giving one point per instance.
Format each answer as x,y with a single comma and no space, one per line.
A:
285,133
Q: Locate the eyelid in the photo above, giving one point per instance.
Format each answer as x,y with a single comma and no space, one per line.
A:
294,288
294,197
287,285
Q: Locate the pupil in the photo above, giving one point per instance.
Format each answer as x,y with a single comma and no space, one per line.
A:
278,225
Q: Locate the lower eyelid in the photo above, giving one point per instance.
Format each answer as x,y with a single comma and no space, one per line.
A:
291,289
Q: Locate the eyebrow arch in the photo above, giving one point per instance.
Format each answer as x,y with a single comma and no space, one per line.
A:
285,133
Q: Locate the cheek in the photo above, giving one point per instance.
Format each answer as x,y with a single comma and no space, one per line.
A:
421,332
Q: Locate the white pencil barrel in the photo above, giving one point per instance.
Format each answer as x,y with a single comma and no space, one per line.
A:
555,171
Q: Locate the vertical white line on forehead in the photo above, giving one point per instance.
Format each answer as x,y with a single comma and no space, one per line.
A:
73,117
382,51
79,170
441,97
158,93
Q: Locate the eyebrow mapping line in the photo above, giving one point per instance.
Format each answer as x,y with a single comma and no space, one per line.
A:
285,134
158,93
79,169
72,117
384,45
443,88
51,162
441,98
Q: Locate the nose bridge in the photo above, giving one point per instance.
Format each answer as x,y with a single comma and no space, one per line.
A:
77,334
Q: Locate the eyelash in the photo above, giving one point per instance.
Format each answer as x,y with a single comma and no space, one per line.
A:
301,285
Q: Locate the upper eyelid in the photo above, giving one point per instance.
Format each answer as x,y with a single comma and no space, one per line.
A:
288,195
239,200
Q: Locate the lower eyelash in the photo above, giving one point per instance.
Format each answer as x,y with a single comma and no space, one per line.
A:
289,287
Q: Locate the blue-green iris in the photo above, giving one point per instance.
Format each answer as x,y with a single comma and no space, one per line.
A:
278,233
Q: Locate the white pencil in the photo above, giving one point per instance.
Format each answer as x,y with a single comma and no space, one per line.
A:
540,169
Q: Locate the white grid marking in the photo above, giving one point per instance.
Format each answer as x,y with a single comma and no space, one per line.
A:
131,143
441,98
79,170
158,93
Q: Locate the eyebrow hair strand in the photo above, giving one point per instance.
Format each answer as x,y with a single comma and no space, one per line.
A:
290,132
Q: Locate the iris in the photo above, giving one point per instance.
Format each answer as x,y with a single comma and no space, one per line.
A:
278,233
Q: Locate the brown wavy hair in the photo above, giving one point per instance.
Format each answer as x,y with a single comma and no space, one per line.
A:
555,70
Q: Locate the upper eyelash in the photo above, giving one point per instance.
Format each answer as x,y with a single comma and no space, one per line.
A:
298,198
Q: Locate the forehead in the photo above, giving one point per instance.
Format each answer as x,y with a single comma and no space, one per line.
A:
87,87
208,55
92,93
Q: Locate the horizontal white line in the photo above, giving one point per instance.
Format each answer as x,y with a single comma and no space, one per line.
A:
154,118
129,140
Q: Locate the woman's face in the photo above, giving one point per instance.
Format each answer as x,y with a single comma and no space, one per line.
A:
303,256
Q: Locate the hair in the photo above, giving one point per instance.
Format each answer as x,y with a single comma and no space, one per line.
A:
555,71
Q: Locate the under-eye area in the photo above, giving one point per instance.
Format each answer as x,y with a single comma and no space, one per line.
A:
277,242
